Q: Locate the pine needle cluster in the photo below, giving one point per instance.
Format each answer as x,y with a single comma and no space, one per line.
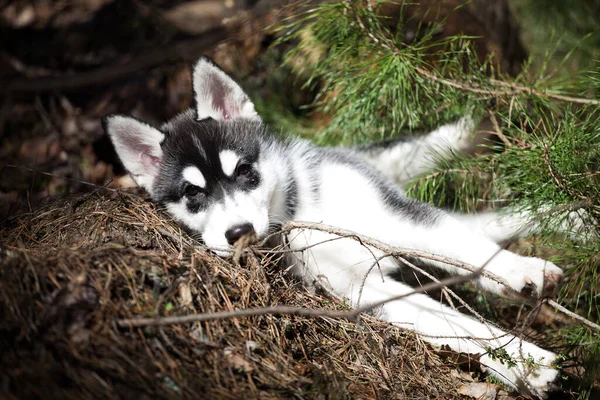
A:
377,80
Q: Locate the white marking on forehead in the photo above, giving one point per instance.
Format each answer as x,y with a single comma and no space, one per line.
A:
194,176
229,161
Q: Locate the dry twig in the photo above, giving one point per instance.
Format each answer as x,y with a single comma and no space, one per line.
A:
571,314
284,310
387,249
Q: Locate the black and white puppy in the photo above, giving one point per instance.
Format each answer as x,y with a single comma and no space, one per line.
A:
218,171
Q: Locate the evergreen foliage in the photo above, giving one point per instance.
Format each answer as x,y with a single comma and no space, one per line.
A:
375,82
568,29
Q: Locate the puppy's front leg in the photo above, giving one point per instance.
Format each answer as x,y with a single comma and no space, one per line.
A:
446,236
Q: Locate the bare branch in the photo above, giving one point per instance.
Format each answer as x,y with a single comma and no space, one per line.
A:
497,130
388,250
105,187
285,310
550,95
571,314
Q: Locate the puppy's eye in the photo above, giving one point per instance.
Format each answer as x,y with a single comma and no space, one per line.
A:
192,191
244,169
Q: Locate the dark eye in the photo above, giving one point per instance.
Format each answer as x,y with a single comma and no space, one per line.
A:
192,191
243,169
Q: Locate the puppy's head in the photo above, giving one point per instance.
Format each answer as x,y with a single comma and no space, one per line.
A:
207,165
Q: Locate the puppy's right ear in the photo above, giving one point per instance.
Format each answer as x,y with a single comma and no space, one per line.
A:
218,96
138,147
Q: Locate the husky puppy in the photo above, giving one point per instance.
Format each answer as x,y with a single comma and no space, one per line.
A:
218,171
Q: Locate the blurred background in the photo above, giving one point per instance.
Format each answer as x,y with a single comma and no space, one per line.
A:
66,64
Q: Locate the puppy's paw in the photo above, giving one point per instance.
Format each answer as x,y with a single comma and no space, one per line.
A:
526,275
541,381
533,370
540,278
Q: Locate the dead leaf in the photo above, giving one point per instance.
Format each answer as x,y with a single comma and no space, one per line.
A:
479,390
237,361
195,17
186,294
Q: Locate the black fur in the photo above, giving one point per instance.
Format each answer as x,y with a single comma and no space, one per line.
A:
189,142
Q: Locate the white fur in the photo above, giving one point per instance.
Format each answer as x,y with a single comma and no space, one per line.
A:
194,176
241,208
229,161
406,161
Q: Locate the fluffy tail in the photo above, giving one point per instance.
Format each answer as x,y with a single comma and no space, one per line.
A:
405,159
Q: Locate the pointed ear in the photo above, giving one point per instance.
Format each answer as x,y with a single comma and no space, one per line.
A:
217,95
137,145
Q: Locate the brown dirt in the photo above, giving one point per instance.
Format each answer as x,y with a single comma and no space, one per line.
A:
74,267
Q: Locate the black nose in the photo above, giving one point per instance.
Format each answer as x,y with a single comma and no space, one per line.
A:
234,233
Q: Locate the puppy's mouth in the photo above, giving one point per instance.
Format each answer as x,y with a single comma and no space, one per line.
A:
222,253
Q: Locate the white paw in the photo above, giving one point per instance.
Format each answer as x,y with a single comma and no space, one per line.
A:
541,277
531,369
540,381
526,275
536,373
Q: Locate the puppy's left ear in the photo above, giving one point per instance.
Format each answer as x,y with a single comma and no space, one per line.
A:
218,96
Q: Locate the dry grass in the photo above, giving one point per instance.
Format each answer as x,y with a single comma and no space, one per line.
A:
74,267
